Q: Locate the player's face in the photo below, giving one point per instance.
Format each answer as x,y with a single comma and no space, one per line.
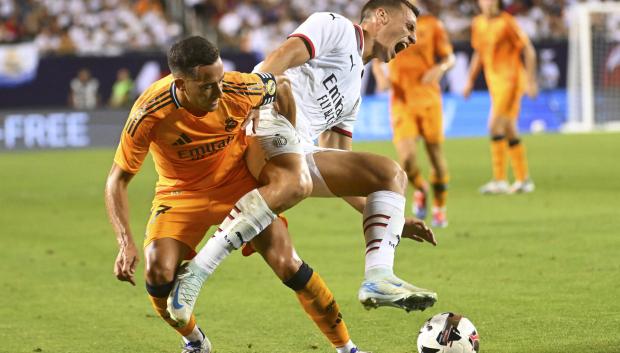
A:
204,89
398,32
488,7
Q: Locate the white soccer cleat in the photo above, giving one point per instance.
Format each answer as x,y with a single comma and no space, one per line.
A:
440,218
495,187
394,292
524,186
182,298
356,350
198,346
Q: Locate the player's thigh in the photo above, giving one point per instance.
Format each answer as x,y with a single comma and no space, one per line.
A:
406,149
404,121
348,173
432,124
506,102
187,216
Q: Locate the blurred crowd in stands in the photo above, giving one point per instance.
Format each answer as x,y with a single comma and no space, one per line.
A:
109,27
87,27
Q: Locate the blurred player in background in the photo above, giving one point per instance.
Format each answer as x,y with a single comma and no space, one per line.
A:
414,77
324,59
498,43
191,121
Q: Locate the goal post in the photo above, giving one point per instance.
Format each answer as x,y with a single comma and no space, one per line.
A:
594,67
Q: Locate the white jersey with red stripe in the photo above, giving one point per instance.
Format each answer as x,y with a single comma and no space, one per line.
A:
327,88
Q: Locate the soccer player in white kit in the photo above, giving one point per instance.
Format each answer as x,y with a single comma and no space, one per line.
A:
324,59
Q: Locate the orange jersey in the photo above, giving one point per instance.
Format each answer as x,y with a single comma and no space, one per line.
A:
499,42
192,153
409,66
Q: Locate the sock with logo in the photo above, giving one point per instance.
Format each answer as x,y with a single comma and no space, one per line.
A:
518,159
318,302
249,216
440,190
158,295
498,157
383,224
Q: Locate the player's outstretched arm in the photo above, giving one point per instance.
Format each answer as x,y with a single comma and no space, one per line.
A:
530,69
435,73
293,52
474,69
117,205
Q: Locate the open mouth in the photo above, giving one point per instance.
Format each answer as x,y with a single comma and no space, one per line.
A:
400,46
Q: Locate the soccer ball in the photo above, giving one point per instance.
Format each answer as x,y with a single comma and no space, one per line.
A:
448,333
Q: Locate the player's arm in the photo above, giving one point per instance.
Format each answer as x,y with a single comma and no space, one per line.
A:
117,206
474,69
381,77
445,53
293,52
530,68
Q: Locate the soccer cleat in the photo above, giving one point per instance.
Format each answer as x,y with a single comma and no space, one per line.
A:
524,186
182,298
394,292
203,346
419,204
440,218
495,187
356,350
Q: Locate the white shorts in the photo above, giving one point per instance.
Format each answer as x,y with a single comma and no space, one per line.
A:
274,134
319,186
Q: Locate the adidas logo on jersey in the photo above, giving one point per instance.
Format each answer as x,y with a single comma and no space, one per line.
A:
182,140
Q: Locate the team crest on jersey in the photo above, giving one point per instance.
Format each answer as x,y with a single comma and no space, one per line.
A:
231,124
279,140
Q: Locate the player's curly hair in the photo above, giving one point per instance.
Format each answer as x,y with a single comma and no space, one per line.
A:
372,5
189,53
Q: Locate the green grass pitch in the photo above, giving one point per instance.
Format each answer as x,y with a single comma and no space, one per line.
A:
535,273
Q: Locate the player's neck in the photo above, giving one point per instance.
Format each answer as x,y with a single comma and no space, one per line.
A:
493,13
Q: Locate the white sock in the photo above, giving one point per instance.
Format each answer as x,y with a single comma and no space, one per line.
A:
195,335
248,218
346,348
383,224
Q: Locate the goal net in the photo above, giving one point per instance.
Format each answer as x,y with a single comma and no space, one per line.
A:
594,67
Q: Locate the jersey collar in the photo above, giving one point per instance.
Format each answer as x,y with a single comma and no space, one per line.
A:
173,93
359,35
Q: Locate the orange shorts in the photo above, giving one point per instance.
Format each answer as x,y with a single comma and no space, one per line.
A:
186,216
506,102
409,121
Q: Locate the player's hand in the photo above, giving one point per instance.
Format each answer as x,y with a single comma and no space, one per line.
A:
432,75
253,118
532,89
467,90
416,229
126,261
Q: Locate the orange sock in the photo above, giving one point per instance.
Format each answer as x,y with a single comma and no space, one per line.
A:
498,157
518,159
440,190
318,302
159,304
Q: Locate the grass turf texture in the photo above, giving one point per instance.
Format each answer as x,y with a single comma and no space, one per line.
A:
535,273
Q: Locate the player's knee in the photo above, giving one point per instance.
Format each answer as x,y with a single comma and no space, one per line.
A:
158,274
392,177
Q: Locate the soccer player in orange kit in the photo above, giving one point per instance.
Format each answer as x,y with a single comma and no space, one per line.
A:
498,43
192,123
414,77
